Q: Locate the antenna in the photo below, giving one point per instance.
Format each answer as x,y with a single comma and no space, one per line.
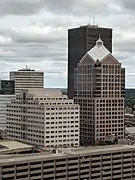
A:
93,21
99,36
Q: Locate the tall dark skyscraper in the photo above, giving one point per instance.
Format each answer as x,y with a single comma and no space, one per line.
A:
80,40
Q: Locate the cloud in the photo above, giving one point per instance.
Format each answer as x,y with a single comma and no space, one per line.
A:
23,7
76,7
28,7
128,4
34,32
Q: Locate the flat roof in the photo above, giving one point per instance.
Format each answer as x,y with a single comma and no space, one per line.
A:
96,26
101,149
13,159
10,146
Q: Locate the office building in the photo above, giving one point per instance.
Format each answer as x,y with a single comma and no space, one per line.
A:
129,120
80,40
43,117
106,163
27,78
100,90
7,92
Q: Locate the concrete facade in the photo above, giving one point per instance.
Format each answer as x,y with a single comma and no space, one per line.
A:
43,118
99,90
100,163
4,100
7,92
27,78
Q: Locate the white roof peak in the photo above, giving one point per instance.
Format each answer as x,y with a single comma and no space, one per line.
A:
99,42
99,51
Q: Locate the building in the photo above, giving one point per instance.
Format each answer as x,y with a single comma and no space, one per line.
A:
7,92
100,90
44,118
129,120
27,78
14,147
130,132
7,87
106,163
80,40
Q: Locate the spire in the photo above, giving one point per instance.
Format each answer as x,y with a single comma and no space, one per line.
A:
99,36
99,42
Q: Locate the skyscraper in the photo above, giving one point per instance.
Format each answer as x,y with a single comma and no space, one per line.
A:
99,89
80,40
27,78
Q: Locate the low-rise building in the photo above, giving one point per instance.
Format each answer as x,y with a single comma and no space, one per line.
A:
130,133
44,118
129,120
14,147
106,163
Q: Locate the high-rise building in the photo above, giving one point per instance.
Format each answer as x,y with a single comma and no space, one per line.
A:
100,90
7,92
100,163
27,78
80,40
43,118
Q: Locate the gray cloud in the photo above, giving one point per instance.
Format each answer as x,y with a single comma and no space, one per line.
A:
20,6
34,32
77,7
27,7
128,4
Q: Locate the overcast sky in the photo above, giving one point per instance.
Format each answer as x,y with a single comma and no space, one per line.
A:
34,33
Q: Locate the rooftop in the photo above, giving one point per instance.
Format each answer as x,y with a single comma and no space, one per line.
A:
26,69
7,146
99,51
65,153
99,149
46,92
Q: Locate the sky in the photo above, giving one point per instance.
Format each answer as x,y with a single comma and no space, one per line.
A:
34,33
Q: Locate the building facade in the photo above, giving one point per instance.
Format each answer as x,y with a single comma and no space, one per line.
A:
100,90
80,40
7,92
106,163
43,118
27,78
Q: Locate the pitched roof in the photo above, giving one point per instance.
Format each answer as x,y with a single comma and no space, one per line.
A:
99,51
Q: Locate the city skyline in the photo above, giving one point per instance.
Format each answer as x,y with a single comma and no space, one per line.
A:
38,37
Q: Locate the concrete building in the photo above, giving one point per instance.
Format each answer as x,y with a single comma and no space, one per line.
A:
130,132
99,163
7,92
14,147
27,78
129,120
99,90
80,40
44,118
